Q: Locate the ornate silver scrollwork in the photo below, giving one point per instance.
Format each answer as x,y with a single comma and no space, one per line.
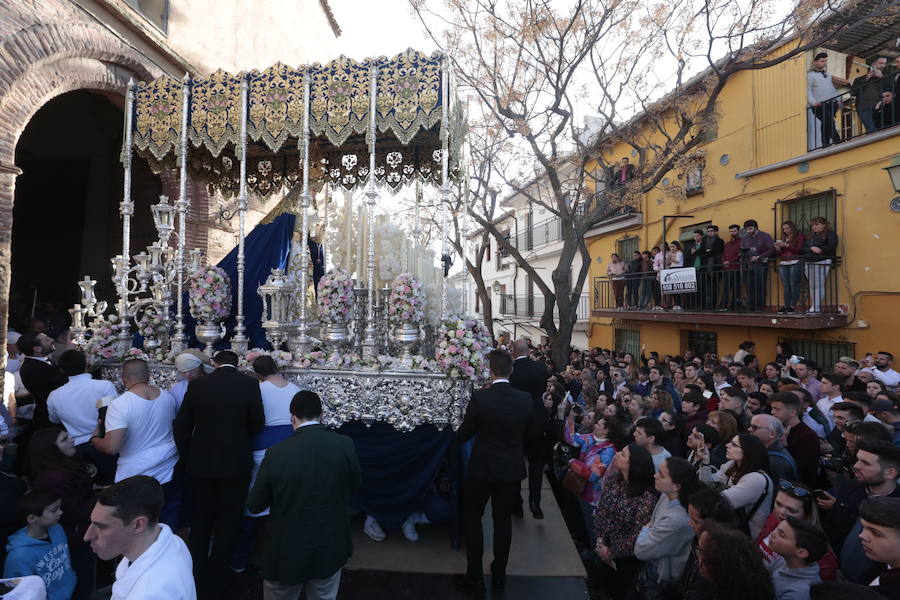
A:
405,400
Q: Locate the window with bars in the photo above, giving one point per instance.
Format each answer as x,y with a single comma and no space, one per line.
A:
701,342
626,247
802,210
627,338
823,353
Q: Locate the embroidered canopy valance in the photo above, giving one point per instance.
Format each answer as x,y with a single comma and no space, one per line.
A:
408,117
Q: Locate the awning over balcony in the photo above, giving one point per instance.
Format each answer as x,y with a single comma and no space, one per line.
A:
876,36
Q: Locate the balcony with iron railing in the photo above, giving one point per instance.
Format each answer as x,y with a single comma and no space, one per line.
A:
840,119
550,230
533,307
748,294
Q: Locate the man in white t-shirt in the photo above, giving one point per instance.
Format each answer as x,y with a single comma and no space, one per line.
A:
830,390
156,564
883,371
74,404
139,429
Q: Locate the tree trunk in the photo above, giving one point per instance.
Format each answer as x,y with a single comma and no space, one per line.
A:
560,344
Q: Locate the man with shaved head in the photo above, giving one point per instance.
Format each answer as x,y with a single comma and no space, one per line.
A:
139,429
531,376
769,431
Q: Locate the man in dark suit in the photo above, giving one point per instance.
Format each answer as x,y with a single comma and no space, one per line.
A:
307,480
39,376
531,377
213,430
501,419
711,249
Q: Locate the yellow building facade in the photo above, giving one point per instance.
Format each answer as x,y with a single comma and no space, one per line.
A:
758,165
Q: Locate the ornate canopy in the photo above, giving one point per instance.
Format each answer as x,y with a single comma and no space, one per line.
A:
408,101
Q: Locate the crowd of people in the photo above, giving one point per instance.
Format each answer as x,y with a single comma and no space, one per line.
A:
690,476
873,97
172,483
731,274
724,477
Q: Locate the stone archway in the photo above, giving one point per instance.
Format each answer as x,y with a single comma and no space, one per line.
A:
43,61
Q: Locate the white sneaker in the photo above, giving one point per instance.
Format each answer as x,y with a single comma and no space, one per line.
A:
374,530
409,526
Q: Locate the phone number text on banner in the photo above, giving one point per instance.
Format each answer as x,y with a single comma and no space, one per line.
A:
678,281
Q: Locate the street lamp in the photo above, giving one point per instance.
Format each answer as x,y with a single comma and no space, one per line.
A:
893,171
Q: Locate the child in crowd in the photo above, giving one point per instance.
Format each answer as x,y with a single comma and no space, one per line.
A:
40,548
799,545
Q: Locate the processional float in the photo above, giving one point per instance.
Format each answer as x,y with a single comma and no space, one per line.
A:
379,123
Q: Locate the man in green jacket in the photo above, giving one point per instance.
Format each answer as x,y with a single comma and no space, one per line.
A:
306,480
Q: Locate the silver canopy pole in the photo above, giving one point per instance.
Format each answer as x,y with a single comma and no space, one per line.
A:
369,343
178,342
304,342
445,175
239,342
126,209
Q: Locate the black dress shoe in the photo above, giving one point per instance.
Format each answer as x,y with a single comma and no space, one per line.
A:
517,511
498,581
468,586
536,511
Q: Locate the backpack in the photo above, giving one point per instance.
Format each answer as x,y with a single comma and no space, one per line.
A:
744,516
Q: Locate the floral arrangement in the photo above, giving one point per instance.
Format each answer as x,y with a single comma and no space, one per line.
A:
407,300
101,345
316,358
209,294
336,296
151,324
282,359
462,344
386,362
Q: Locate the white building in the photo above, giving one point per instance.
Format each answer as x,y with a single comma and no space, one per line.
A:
516,299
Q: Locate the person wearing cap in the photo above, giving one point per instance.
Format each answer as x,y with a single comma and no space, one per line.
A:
888,413
191,364
13,361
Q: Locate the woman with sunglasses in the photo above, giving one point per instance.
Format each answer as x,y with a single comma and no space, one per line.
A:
798,501
748,486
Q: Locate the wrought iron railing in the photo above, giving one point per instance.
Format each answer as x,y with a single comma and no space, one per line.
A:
840,119
533,306
550,230
806,287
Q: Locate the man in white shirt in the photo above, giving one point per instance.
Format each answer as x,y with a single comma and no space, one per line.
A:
883,371
820,95
830,389
156,564
74,404
139,429
191,364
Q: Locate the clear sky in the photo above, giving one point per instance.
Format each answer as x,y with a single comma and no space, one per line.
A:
374,28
